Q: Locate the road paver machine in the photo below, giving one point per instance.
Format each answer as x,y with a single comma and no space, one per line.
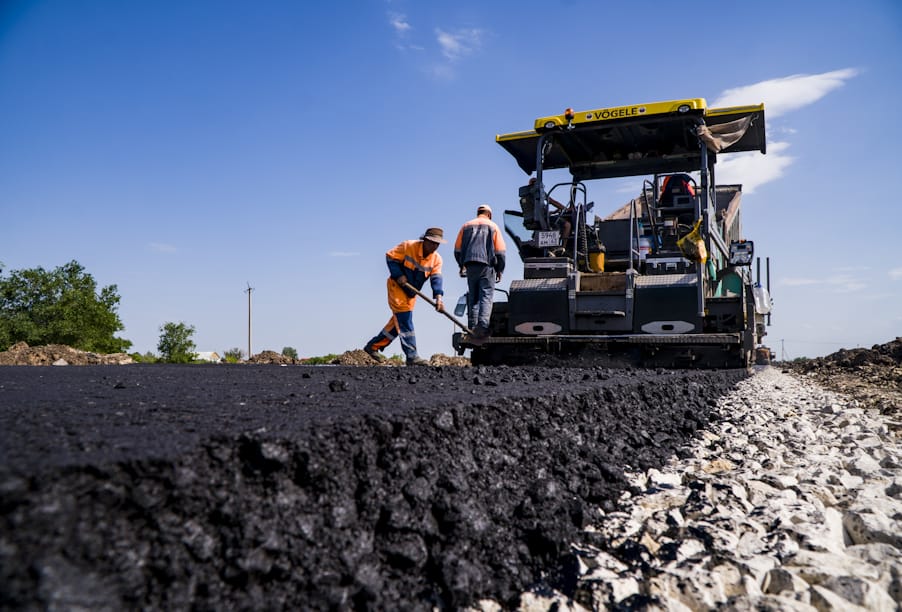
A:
666,279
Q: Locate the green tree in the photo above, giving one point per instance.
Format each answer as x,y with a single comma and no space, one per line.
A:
290,351
60,306
176,344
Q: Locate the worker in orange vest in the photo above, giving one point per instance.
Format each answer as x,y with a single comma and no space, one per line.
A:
410,263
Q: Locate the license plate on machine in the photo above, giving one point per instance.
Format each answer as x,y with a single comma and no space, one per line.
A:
548,239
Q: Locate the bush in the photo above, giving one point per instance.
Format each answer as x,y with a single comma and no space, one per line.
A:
233,355
291,352
322,360
147,357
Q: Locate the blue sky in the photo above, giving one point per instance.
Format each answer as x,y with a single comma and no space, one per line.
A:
181,150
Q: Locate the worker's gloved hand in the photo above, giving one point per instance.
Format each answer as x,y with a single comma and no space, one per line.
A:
498,277
439,304
463,272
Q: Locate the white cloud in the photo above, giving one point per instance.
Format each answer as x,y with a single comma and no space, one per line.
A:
895,274
874,297
161,247
455,45
853,268
799,282
441,71
399,23
752,169
838,283
780,96
786,94
843,283
452,45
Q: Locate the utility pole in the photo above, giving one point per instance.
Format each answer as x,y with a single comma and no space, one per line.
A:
248,292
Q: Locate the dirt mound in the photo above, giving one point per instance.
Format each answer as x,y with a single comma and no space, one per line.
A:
887,355
272,357
57,354
358,358
444,360
873,376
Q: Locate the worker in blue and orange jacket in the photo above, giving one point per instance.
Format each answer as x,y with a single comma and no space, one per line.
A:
409,265
480,252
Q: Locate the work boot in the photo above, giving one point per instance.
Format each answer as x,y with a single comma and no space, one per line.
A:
376,355
417,361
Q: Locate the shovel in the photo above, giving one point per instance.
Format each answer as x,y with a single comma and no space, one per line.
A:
432,303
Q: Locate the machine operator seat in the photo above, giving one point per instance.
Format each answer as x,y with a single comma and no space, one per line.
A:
677,197
677,190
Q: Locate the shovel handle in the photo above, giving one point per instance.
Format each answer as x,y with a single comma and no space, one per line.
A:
432,303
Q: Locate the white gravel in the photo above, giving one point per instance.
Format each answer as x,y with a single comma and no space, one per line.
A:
792,502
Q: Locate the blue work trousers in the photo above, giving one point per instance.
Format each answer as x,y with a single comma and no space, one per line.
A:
480,291
399,326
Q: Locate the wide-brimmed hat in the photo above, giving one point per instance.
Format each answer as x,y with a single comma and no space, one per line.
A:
434,234
484,208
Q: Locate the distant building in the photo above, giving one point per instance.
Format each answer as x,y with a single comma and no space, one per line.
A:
211,356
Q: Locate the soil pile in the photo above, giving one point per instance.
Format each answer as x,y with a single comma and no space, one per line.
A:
358,357
273,358
445,360
57,354
872,376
